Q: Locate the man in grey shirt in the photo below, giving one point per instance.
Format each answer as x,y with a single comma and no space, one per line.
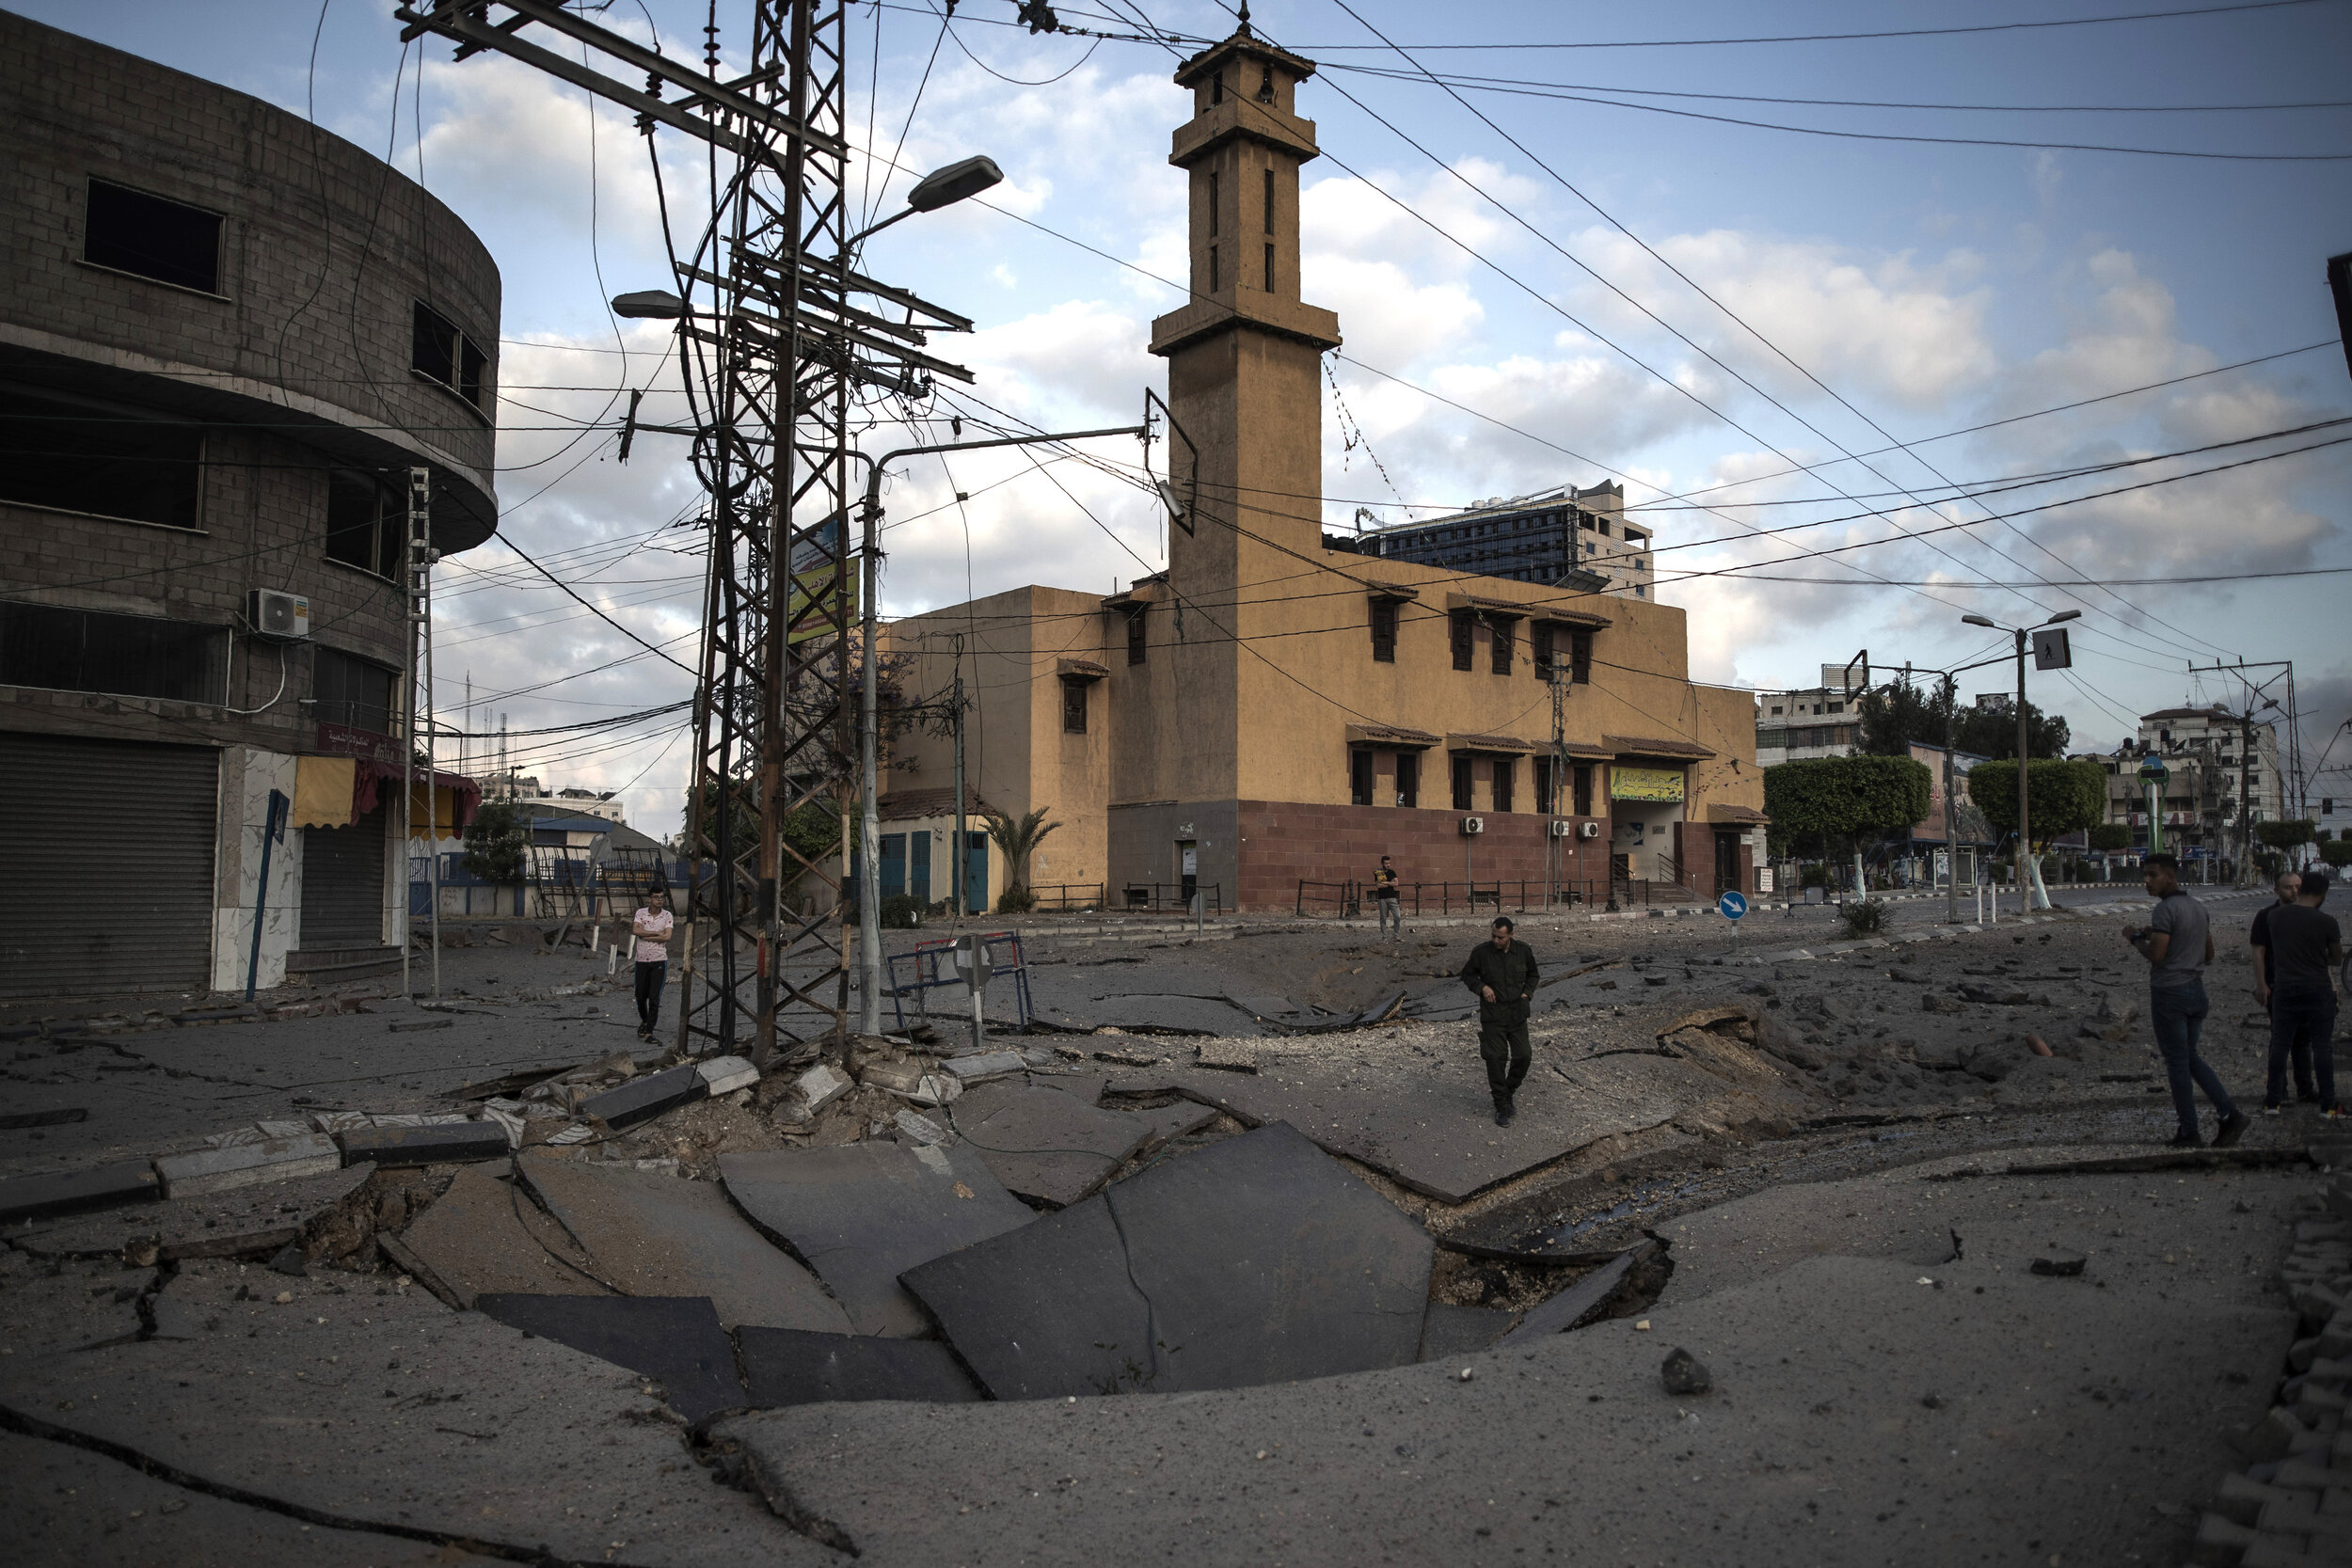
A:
2177,942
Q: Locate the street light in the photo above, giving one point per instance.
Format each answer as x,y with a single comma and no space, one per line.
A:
2025,898
652,304
942,187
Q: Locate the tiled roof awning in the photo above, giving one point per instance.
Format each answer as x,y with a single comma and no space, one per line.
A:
1742,816
1079,669
1389,590
1490,743
1583,753
1649,745
1391,734
1517,609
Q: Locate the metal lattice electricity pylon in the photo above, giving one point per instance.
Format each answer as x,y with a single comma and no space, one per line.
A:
776,351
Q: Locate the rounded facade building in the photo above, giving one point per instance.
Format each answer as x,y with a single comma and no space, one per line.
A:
234,350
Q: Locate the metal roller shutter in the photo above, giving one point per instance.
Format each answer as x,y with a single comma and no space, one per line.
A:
342,885
120,836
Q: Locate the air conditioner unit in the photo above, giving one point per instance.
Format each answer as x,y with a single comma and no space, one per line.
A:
1473,824
1563,830
1588,829
276,616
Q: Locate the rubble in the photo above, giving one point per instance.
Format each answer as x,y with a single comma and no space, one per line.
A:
821,1086
244,1165
1684,1374
640,1099
442,1144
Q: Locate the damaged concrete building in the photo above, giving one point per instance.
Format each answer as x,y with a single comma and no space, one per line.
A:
228,340
1270,712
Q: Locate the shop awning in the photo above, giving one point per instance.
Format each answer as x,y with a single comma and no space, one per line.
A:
1649,746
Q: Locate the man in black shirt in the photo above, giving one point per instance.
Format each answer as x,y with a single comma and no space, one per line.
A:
2287,886
1384,893
2305,948
1501,974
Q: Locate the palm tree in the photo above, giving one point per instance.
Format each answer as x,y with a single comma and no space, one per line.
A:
1018,839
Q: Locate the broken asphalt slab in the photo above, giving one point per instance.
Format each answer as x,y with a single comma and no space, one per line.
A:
483,1236
1570,1308
1451,1330
640,1099
1432,1128
1572,1441
647,1233
447,1143
786,1366
1043,1144
239,1223
458,1425
674,1341
862,1213
73,1192
1257,1259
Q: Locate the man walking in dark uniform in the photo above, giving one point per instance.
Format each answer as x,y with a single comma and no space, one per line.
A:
1501,974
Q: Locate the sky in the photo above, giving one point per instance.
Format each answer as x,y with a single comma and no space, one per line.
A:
1607,243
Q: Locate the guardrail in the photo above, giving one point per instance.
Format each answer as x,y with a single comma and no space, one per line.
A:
1355,900
1171,896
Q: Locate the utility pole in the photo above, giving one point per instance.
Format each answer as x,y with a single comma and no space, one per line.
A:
1952,841
2055,656
960,857
769,346
2257,698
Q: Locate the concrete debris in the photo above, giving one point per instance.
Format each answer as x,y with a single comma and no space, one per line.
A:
1685,1374
920,1128
987,1065
439,1144
219,1169
727,1074
108,1186
640,1099
2065,1266
251,1221
570,1136
821,1086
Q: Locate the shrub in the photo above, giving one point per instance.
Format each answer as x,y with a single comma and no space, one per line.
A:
1815,875
2337,851
1864,917
901,911
1015,900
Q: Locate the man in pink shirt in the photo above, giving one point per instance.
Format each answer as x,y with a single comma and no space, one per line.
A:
652,928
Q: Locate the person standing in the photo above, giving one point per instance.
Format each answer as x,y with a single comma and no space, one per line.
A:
1501,974
651,926
2177,942
2306,948
1385,893
2287,886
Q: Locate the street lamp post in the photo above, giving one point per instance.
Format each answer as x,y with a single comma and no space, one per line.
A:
2024,836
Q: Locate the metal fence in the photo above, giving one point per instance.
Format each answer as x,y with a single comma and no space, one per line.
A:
1354,900
1066,897
1172,896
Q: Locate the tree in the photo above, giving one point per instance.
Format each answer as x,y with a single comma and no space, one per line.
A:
1017,840
1846,802
2063,796
2337,851
1991,730
2111,836
2286,835
495,841
1898,715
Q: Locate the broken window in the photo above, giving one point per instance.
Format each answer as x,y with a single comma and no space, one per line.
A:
66,456
1136,632
366,523
124,655
1500,633
1461,781
1504,770
1458,628
128,230
1408,779
1384,631
1074,707
352,691
1539,649
1359,777
440,352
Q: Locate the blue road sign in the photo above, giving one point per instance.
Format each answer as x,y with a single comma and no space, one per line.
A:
1733,905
